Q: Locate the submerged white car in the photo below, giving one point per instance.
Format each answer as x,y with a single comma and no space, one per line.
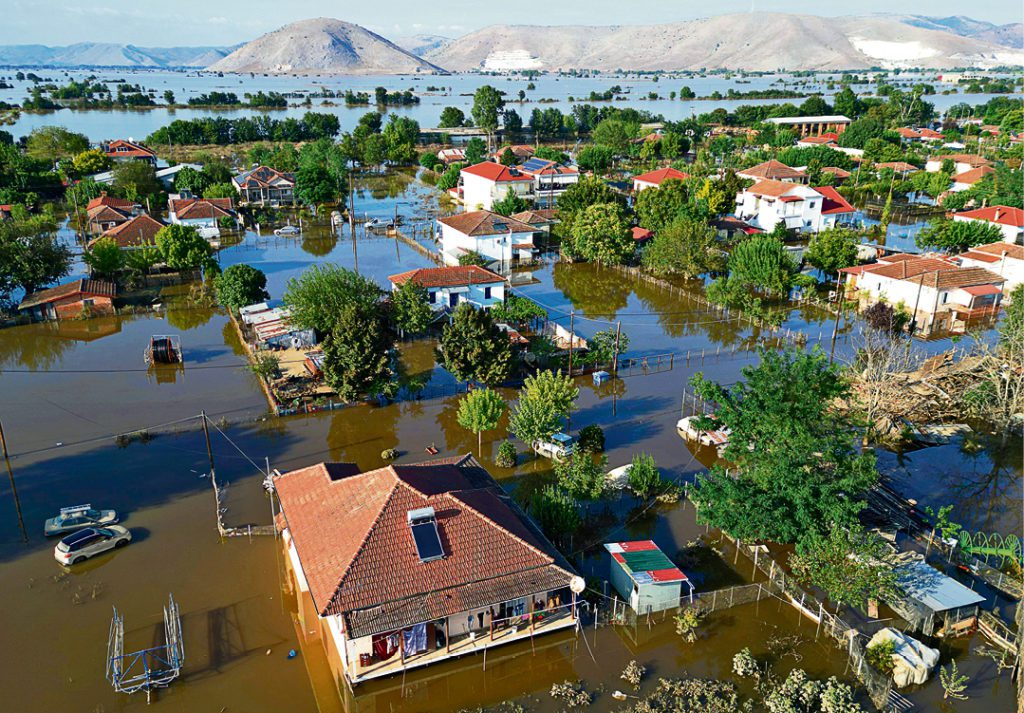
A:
91,541
287,230
558,447
77,517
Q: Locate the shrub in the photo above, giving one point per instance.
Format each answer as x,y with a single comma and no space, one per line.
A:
591,439
506,457
879,655
389,454
744,664
644,478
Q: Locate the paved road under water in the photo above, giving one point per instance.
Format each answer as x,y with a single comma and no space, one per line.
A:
80,383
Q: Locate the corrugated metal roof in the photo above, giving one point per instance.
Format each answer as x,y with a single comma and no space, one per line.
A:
935,590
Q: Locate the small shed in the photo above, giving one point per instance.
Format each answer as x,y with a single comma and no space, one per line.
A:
645,577
931,600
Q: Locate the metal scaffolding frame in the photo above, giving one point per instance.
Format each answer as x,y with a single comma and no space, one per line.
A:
147,669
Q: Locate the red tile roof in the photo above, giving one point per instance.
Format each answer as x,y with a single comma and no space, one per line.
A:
119,148
201,208
454,276
973,176
140,230
772,170
1001,214
104,200
772,189
77,288
641,234
353,540
263,177
538,216
981,290
968,158
993,252
822,140
833,203
661,175
898,166
484,222
908,133
496,172
839,172
518,150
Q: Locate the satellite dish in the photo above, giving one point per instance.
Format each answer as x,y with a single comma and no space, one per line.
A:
577,585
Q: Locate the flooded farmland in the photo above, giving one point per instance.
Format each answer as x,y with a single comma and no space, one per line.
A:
69,389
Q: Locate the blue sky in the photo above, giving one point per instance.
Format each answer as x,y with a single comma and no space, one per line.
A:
225,22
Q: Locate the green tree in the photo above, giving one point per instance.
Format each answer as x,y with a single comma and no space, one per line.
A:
545,399
450,178
317,297
762,262
958,235
241,285
452,117
135,180
358,359
860,131
30,254
104,258
615,134
581,476
53,143
480,410
487,106
410,308
657,207
556,512
472,347
507,157
833,249
644,476
685,247
313,184
400,135
797,472
588,191
517,310
595,158
182,248
429,160
476,150
953,684
89,162
601,234
847,564
168,97
601,347
512,203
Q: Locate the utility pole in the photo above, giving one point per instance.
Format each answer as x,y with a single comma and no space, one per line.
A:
839,311
213,476
17,500
572,335
615,360
3,440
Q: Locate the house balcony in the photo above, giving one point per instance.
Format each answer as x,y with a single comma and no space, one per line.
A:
501,631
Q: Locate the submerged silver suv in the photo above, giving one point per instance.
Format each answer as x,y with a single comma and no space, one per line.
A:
90,542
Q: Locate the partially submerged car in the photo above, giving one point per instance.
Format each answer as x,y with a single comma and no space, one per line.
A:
287,230
80,546
76,517
558,447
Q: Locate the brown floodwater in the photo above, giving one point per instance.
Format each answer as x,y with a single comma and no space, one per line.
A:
67,389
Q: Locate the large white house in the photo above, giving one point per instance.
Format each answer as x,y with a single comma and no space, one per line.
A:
203,214
497,238
800,207
940,295
448,286
1004,259
537,180
962,162
1009,220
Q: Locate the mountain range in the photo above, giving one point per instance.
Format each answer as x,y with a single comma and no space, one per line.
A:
748,41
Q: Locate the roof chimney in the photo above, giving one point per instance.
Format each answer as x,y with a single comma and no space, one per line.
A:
997,213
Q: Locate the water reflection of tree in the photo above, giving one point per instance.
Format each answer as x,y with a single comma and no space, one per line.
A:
32,346
360,432
991,488
185,319
320,242
231,339
593,291
457,438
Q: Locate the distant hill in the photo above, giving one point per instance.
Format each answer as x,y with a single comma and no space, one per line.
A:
1011,35
322,45
419,45
103,54
750,41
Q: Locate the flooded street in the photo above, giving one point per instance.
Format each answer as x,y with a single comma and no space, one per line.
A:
68,389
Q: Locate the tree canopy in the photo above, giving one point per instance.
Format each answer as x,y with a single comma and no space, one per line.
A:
600,233
318,296
958,235
480,410
410,308
833,249
183,248
241,285
358,358
545,399
472,347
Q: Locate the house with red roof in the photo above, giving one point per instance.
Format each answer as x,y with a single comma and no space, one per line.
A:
406,566
105,212
5,211
962,162
774,170
941,295
967,179
121,150
1009,220
538,180
265,185
645,577
497,238
654,179
448,286
139,232
801,208
1004,259
826,139
203,214
71,300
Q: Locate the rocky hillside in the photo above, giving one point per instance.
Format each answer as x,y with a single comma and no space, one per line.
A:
322,46
751,41
1010,35
103,54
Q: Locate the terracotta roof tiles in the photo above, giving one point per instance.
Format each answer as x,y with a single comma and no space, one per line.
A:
452,276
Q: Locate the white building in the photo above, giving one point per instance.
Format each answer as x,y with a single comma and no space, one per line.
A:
813,125
800,207
1004,259
1009,220
203,214
940,295
967,179
537,180
448,286
497,238
654,179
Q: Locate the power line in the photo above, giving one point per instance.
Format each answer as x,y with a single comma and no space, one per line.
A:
113,371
